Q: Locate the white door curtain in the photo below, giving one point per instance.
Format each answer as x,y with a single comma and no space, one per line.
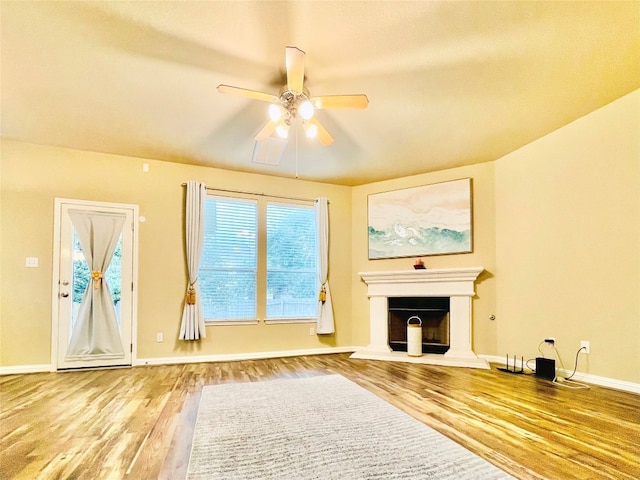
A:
192,327
326,324
95,332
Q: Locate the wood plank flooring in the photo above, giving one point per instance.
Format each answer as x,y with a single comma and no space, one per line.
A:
137,423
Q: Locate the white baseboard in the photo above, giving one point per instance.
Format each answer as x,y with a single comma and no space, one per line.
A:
583,377
18,369
604,381
230,357
233,357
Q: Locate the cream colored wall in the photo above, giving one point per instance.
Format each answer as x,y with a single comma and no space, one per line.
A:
32,176
568,243
483,255
556,227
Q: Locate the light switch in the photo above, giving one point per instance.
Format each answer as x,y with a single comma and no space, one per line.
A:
32,262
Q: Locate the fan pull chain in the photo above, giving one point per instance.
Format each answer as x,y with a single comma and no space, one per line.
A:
296,150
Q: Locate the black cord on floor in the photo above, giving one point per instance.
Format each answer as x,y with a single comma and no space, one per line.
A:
567,382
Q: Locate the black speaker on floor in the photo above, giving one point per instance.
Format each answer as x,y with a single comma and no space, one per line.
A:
546,368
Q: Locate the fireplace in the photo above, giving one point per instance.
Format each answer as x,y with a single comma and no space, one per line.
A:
431,312
455,284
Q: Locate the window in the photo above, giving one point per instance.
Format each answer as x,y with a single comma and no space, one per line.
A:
292,256
232,271
228,265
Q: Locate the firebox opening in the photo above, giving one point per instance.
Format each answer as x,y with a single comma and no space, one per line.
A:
434,314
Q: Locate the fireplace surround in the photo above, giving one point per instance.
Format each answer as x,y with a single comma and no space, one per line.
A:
455,283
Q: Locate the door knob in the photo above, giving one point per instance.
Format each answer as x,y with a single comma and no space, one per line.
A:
64,294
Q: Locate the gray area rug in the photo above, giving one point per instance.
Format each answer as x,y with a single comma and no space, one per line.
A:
324,427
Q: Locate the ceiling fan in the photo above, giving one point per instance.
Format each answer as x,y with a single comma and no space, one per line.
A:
295,102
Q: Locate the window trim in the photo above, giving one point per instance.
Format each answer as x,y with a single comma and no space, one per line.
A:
282,321
228,322
257,321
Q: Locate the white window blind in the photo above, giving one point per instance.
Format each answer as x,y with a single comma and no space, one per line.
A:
292,256
228,266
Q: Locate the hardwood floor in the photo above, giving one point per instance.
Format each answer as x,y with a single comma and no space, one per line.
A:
137,423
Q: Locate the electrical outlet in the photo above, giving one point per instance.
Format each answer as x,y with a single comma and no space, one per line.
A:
585,345
159,337
550,340
312,331
32,262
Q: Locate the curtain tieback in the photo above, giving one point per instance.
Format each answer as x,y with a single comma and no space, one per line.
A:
322,296
96,276
191,294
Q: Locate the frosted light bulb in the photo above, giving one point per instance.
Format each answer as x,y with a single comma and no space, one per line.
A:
306,110
274,112
282,131
311,131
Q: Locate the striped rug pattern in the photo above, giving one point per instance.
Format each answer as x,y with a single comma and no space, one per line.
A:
324,428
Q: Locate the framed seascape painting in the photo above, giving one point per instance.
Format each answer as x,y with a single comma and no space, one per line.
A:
419,221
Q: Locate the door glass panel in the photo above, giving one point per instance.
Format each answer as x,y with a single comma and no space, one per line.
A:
114,279
81,276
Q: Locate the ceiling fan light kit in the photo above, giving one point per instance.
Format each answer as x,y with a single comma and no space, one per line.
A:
294,101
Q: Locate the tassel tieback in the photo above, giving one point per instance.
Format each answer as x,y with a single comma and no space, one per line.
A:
322,296
96,276
190,299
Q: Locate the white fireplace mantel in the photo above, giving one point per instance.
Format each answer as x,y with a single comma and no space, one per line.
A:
456,283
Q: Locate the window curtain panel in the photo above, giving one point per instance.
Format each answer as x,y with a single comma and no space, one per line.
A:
326,324
95,332
192,327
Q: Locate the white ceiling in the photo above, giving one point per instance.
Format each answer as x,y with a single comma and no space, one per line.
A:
450,83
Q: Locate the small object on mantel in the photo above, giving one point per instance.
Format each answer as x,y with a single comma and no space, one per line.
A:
419,265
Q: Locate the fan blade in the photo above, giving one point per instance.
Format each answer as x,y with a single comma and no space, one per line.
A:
268,129
243,92
323,136
340,101
295,68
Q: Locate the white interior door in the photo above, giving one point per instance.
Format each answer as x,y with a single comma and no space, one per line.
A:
93,284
